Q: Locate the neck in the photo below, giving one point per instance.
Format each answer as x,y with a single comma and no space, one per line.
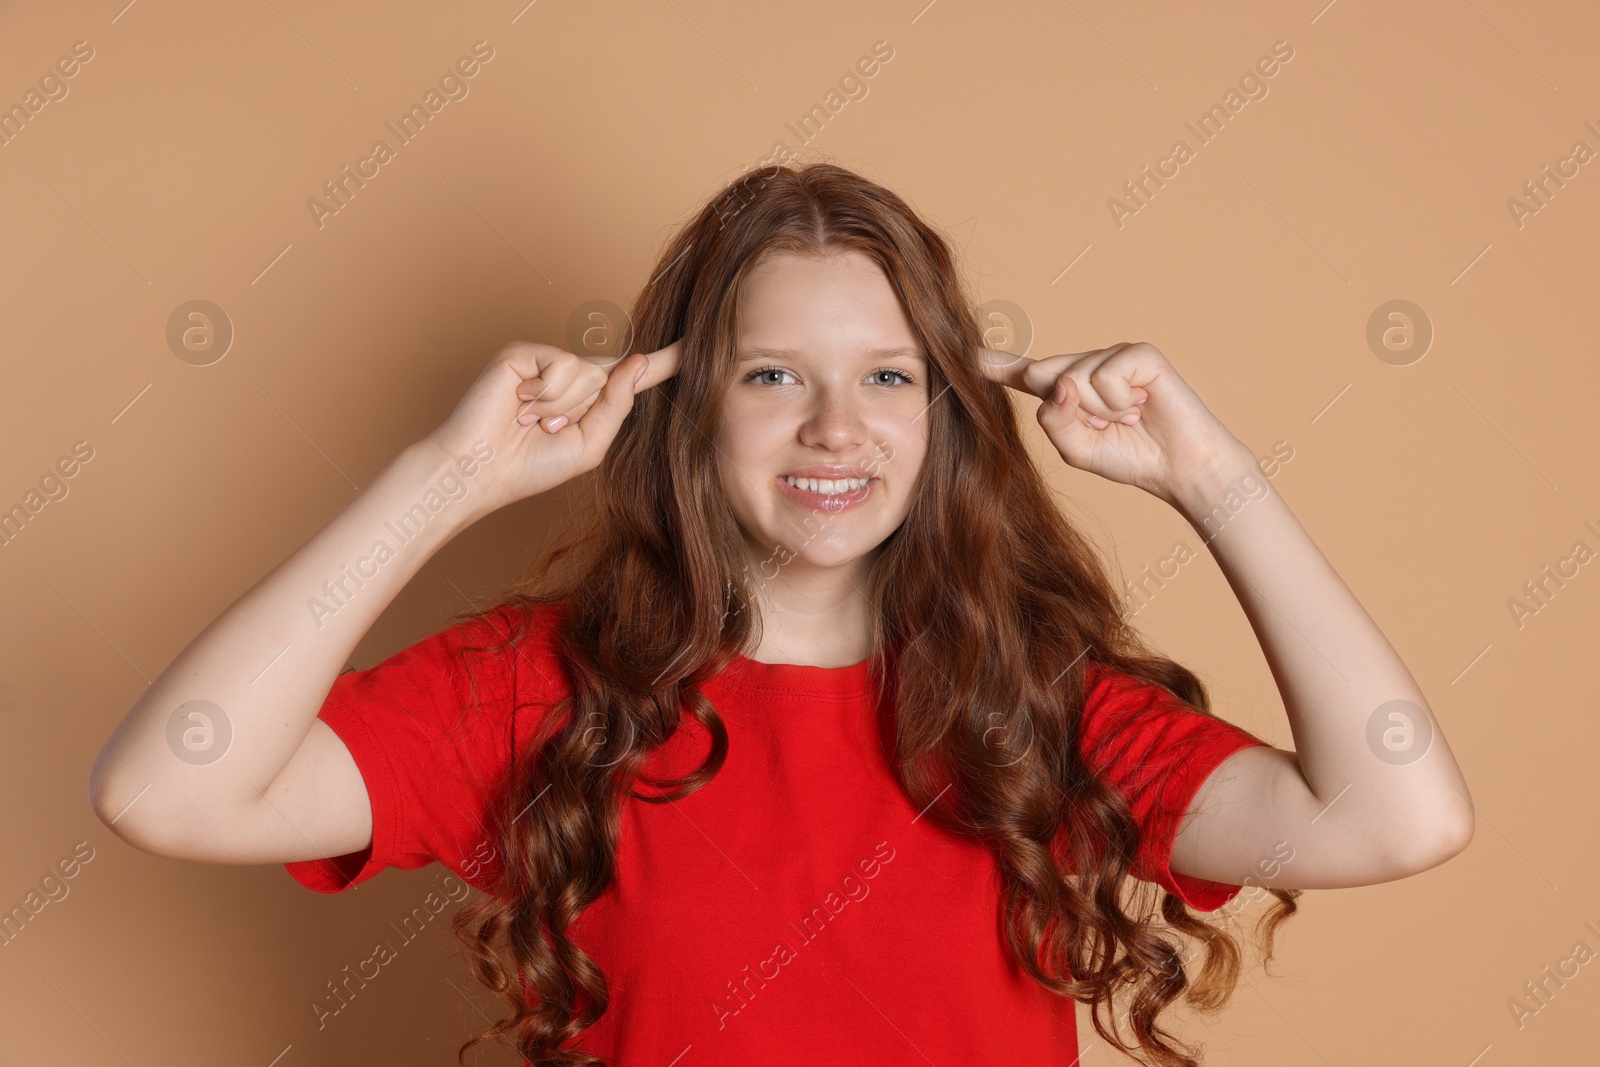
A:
813,615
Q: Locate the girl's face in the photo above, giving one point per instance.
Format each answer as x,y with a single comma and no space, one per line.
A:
831,384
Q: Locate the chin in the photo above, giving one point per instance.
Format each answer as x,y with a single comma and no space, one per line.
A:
780,558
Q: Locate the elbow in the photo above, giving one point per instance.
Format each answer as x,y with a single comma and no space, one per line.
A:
105,788
100,790
1452,832
107,795
115,810
114,801
109,803
1429,846
1454,838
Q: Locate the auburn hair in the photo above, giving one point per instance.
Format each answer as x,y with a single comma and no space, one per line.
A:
655,597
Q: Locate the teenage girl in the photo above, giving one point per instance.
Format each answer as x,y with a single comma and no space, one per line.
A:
821,735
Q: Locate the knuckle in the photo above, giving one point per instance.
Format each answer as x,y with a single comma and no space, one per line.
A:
559,372
512,349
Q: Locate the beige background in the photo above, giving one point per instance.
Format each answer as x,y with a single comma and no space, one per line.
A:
1378,167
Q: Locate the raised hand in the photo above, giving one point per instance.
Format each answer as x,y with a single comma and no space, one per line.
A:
546,414
1123,413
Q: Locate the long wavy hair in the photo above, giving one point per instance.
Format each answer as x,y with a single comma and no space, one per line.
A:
656,597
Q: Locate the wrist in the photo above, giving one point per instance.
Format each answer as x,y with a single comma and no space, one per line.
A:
447,485
1211,481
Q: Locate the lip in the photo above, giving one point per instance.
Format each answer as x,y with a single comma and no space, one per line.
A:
817,501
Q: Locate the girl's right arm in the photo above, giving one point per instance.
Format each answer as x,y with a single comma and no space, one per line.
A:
223,759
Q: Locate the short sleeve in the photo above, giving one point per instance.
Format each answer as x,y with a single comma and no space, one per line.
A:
434,745
1157,752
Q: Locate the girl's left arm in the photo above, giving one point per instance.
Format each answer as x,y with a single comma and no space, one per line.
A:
1371,791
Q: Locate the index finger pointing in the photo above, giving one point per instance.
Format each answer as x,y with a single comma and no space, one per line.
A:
664,364
1005,368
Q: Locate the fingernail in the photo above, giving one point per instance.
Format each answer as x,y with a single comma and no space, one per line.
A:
556,423
1130,418
1097,422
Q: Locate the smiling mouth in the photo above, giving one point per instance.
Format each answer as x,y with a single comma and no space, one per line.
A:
832,496
827,486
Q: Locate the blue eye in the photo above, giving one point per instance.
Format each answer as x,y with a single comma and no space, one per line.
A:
905,378
753,375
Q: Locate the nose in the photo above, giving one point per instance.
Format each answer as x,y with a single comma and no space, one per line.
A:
834,421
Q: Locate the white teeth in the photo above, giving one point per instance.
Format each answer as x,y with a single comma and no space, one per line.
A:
827,486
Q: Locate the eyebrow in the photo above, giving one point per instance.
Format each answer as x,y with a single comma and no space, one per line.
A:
869,357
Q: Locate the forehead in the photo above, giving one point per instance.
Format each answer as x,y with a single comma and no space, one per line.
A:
870,355
842,303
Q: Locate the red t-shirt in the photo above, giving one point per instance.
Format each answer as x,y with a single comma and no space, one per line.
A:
795,909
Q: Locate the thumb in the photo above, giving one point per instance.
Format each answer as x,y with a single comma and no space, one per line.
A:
1060,420
604,418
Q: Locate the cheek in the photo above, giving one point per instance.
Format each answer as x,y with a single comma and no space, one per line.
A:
734,485
741,488
743,432
740,446
900,447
